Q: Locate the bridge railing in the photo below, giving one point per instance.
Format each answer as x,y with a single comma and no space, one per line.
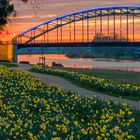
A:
79,41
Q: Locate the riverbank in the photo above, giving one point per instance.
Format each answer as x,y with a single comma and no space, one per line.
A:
115,76
9,64
83,62
119,76
100,85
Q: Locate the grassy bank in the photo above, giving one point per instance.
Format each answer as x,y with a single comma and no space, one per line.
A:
106,86
32,110
8,64
114,75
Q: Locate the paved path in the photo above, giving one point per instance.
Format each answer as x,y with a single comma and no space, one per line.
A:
49,79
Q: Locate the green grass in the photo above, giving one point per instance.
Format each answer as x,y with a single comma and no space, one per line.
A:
102,85
133,98
8,64
114,75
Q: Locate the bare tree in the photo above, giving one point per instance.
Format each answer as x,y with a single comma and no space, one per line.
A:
35,4
7,9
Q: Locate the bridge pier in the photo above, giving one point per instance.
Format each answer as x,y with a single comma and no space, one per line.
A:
15,54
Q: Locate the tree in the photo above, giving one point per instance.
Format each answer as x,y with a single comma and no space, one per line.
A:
6,9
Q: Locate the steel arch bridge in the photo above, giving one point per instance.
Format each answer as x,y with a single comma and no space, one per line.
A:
108,18
95,27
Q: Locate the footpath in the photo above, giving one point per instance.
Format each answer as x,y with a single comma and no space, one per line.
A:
55,80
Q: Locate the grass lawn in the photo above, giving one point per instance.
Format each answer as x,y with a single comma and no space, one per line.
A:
117,76
86,80
114,75
8,64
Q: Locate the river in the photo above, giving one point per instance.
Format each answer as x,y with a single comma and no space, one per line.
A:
83,62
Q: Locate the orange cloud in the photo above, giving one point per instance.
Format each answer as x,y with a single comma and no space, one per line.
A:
26,18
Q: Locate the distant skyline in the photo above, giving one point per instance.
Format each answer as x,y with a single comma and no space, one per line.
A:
27,18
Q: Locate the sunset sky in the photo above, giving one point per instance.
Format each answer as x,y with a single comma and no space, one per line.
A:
26,17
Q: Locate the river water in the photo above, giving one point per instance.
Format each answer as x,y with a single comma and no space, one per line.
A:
83,62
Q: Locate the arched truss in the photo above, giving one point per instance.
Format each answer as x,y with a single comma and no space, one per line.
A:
30,35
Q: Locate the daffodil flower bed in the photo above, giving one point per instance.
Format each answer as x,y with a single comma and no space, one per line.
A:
93,83
29,109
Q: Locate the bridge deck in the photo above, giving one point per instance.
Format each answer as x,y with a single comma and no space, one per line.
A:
82,44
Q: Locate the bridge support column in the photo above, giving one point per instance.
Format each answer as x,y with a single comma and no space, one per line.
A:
15,54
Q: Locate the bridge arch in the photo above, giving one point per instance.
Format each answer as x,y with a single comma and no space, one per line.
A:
32,34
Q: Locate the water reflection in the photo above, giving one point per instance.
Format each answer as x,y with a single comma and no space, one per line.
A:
58,58
83,62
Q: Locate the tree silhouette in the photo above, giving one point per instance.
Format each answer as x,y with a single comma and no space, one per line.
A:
7,9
